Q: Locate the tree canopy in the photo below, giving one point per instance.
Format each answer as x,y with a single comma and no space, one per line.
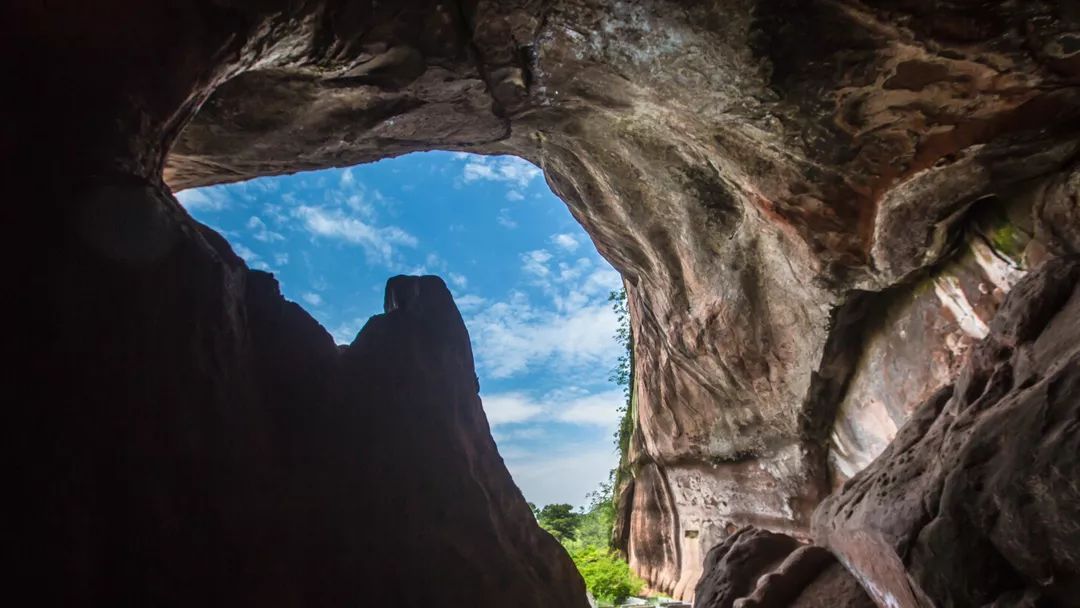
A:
560,520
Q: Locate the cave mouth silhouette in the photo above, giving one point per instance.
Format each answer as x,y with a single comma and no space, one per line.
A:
532,288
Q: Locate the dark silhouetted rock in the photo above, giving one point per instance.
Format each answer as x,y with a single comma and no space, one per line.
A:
204,442
732,568
755,568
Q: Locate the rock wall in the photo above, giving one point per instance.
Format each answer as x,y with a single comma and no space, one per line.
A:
790,189
975,501
972,504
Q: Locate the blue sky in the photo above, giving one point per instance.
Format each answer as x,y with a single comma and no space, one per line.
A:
528,281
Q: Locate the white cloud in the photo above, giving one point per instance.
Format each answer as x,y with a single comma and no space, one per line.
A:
535,262
571,285
266,185
506,408
505,220
458,280
511,170
601,281
357,203
512,336
600,409
261,232
276,213
347,178
567,242
591,409
252,259
346,331
569,290
564,476
479,170
378,242
248,255
312,298
213,198
514,195
281,259
516,434
469,302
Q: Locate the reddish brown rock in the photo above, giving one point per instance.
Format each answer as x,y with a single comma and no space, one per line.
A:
917,336
732,568
834,587
754,568
767,176
971,503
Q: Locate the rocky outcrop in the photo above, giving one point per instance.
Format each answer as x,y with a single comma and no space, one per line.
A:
755,568
785,186
205,442
972,504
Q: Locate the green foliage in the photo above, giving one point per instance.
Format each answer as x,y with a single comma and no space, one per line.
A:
1008,240
606,576
586,536
623,375
560,520
594,527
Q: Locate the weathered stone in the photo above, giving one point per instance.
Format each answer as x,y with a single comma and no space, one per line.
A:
970,504
835,587
754,568
916,337
733,567
767,175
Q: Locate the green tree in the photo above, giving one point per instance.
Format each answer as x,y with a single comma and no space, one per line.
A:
623,375
606,576
594,527
560,520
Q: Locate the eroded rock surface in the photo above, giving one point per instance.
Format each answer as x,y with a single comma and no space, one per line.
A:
755,568
974,502
783,185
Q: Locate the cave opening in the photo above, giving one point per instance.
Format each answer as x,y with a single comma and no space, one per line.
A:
534,293
831,345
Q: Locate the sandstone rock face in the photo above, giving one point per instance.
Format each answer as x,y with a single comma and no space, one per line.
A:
788,188
974,503
916,337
